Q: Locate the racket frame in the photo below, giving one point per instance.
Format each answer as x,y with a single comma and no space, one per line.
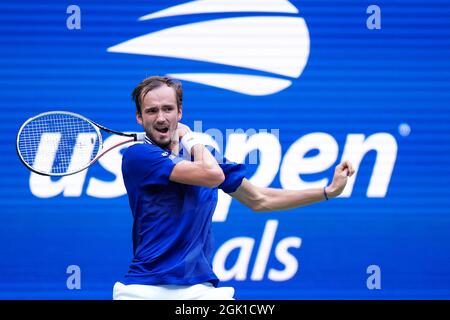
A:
135,136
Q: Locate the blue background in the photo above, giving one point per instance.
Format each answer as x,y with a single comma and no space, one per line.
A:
356,81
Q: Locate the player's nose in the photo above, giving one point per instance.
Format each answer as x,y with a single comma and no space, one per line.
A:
160,117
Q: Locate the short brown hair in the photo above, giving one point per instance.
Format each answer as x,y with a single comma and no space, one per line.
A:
154,82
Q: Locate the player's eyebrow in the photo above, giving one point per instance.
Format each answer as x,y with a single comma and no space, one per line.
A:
168,105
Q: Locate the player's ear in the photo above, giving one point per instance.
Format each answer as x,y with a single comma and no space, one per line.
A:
180,112
139,118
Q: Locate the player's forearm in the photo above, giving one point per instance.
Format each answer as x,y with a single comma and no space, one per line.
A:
207,163
281,199
203,157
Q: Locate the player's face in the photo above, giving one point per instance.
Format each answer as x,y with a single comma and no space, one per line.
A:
160,115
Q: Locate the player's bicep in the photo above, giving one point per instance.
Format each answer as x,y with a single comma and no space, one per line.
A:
194,173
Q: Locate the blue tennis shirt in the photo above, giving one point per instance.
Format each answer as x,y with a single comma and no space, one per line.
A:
172,239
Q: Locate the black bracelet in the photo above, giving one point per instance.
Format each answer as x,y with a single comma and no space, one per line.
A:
325,193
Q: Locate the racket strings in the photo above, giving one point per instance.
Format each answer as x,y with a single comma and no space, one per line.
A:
57,143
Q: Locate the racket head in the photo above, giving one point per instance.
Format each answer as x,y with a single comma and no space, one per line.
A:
58,143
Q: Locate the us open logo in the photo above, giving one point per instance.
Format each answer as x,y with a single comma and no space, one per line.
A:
268,52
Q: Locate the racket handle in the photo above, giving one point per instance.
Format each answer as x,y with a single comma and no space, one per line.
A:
140,136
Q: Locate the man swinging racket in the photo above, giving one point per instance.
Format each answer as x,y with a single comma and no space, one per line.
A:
172,199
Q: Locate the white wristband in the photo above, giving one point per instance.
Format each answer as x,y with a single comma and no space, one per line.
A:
189,140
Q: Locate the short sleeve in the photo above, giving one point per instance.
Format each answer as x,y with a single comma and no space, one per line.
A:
234,172
146,164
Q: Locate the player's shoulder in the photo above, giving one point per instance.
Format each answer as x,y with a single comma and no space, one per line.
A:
142,147
138,150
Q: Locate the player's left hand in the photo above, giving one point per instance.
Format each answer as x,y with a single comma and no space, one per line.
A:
178,134
341,174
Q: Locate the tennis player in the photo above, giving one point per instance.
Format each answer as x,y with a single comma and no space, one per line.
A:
173,196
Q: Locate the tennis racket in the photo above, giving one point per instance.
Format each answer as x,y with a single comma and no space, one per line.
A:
60,143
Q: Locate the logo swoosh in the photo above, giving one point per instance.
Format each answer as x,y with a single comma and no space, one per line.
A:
279,45
214,6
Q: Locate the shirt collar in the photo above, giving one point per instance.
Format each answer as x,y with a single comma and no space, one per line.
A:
148,140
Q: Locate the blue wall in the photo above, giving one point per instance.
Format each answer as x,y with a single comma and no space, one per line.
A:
389,88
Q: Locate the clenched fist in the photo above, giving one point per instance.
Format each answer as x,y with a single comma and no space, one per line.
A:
341,174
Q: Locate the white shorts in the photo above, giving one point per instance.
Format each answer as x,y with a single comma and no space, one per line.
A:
204,291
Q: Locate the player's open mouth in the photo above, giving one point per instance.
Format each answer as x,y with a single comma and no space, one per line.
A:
162,130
